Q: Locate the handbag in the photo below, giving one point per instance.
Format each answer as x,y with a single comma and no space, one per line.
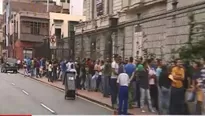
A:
191,96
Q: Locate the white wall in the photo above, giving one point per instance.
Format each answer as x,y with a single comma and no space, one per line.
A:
76,6
64,25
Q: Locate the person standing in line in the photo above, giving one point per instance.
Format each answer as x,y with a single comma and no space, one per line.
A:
97,76
106,74
50,76
164,87
47,66
113,81
136,77
32,67
143,74
177,90
129,69
153,83
100,77
123,81
37,66
77,65
198,83
19,63
83,74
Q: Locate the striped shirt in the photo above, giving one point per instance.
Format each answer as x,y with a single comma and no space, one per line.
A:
201,80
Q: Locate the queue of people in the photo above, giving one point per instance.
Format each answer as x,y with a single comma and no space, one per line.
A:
163,87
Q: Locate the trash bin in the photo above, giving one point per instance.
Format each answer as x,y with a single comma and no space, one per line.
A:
70,89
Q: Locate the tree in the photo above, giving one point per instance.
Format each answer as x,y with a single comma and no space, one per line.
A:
195,46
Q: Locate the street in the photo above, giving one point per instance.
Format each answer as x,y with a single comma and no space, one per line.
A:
22,95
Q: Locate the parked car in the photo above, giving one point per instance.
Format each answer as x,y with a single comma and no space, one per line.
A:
9,65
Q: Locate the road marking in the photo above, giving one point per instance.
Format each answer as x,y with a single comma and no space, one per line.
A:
53,112
102,106
24,92
13,84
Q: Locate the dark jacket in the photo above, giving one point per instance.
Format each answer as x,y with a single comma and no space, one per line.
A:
163,78
144,79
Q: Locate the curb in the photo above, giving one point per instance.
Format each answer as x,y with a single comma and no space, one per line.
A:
85,97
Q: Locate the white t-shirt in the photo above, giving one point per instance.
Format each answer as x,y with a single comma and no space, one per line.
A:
68,65
123,79
116,67
18,61
151,72
101,68
50,67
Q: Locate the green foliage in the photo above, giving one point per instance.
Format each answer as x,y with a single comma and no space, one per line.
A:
196,50
193,49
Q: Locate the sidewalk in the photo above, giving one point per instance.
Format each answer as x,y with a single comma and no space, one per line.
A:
92,96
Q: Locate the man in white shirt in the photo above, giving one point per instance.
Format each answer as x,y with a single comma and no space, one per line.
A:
123,81
113,81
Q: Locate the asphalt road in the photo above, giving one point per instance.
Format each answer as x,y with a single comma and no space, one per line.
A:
22,95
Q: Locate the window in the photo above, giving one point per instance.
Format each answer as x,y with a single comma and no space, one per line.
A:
62,0
35,28
68,1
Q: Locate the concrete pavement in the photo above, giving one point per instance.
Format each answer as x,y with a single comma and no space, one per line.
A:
23,95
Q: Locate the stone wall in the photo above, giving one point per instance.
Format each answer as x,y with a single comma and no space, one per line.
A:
165,29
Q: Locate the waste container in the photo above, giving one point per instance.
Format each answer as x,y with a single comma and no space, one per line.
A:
70,89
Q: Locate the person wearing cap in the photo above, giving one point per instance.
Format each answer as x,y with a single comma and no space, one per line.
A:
142,73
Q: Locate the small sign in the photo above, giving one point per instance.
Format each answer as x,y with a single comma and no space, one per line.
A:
53,42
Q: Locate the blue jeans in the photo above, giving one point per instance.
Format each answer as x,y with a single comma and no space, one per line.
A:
113,90
123,100
106,85
90,83
145,94
164,96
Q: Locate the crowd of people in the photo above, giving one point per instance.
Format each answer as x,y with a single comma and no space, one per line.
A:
162,86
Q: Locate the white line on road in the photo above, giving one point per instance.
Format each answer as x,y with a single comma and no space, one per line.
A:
13,84
24,92
48,108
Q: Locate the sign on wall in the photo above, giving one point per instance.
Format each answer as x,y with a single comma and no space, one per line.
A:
99,7
53,42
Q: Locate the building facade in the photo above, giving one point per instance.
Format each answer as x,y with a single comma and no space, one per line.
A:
25,27
28,30
1,34
135,27
60,28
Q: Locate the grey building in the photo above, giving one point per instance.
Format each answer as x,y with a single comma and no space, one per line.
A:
135,27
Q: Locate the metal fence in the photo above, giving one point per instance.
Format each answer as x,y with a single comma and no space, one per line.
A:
63,50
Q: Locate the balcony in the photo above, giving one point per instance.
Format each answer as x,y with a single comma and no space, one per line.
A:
34,14
31,38
128,4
